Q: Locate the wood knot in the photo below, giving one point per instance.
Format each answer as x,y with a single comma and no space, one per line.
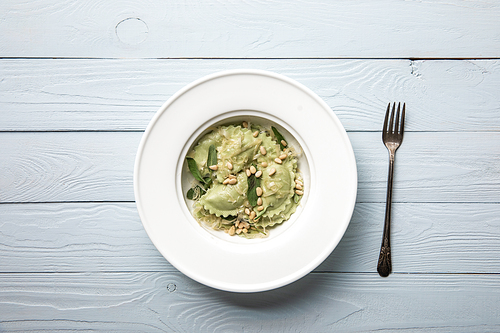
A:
132,31
171,287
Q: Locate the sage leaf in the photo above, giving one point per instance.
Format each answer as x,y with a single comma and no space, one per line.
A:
212,156
207,182
193,167
253,183
261,212
195,193
296,198
201,191
279,137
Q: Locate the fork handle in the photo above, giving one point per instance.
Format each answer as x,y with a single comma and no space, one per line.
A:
384,266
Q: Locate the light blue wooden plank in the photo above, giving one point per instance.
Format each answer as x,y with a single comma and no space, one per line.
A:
430,167
170,302
75,237
425,238
278,29
93,237
98,166
55,94
73,166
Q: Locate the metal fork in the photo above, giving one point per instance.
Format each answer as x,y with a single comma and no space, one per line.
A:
392,136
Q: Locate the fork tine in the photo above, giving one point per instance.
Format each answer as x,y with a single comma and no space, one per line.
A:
402,129
396,125
390,130
386,118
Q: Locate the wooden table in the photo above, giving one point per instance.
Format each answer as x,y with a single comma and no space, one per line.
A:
80,81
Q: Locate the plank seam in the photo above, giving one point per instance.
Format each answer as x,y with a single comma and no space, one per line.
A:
173,270
357,202
142,131
256,58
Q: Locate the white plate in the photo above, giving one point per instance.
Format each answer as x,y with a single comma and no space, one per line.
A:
297,246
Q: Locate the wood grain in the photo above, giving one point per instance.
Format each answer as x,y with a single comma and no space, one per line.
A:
170,302
98,166
73,166
116,95
425,238
430,167
96,237
76,237
79,82
276,29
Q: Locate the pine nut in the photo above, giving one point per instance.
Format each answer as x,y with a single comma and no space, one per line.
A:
246,225
263,150
283,142
264,164
213,167
297,181
226,181
245,124
238,231
272,171
298,187
255,134
236,223
258,174
260,208
252,169
259,191
229,165
232,230
282,156
277,160
252,215
245,231
232,177
232,181
247,211
259,201
248,172
299,192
